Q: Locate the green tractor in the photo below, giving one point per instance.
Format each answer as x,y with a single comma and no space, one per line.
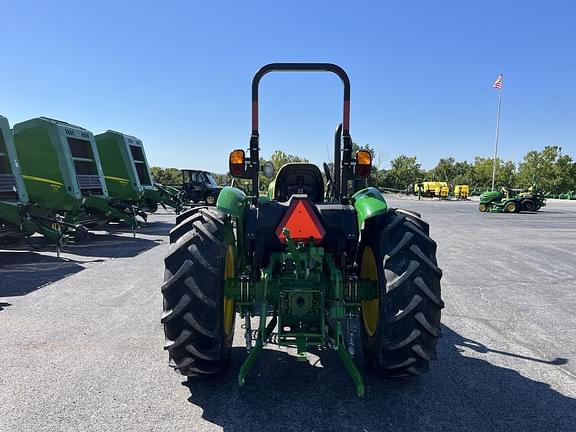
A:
312,262
128,177
16,212
507,201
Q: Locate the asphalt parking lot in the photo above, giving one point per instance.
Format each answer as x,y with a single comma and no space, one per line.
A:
81,341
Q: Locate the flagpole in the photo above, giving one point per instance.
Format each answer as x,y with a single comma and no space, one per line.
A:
497,132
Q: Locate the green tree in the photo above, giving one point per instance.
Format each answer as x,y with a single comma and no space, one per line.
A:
166,176
548,169
404,171
463,173
222,179
445,170
481,174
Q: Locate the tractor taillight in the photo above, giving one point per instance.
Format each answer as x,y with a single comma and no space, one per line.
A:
236,163
363,163
302,222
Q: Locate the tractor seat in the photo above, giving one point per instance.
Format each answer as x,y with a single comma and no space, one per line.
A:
299,178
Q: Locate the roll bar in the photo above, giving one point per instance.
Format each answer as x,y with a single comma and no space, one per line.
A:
345,150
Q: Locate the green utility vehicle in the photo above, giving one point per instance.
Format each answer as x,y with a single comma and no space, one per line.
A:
312,262
62,172
507,201
16,213
128,177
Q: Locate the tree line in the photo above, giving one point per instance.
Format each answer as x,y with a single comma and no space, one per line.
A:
549,170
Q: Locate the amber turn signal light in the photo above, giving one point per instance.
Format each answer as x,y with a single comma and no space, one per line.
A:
236,163
363,163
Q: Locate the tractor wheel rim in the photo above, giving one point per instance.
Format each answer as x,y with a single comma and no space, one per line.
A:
229,312
210,200
370,309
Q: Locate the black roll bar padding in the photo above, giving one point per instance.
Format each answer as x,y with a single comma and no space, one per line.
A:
254,162
337,162
347,166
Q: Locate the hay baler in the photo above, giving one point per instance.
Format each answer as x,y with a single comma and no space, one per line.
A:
62,173
128,177
16,213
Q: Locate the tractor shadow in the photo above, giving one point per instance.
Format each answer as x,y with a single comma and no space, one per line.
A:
24,272
460,393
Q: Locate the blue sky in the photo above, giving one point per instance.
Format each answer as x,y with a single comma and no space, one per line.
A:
177,74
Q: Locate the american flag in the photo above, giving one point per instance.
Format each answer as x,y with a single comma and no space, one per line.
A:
498,82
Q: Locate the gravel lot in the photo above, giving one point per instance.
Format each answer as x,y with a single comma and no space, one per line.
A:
81,341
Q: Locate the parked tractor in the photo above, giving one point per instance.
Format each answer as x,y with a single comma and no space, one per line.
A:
200,186
508,201
313,262
63,175
128,177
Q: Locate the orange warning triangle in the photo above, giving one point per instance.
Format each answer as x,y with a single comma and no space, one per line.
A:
302,223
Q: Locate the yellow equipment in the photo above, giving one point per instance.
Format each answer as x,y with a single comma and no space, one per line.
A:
462,191
433,189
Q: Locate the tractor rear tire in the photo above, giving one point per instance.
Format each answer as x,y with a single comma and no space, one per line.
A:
184,223
198,321
527,205
187,213
401,328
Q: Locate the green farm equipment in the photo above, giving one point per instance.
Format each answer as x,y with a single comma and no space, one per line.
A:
62,173
128,177
507,201
570,195
17,218
312,262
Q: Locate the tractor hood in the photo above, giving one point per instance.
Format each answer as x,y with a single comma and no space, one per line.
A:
490,196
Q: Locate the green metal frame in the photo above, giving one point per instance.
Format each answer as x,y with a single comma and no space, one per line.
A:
296,289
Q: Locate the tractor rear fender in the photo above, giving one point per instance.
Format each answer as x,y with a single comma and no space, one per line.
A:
368,202
232,201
